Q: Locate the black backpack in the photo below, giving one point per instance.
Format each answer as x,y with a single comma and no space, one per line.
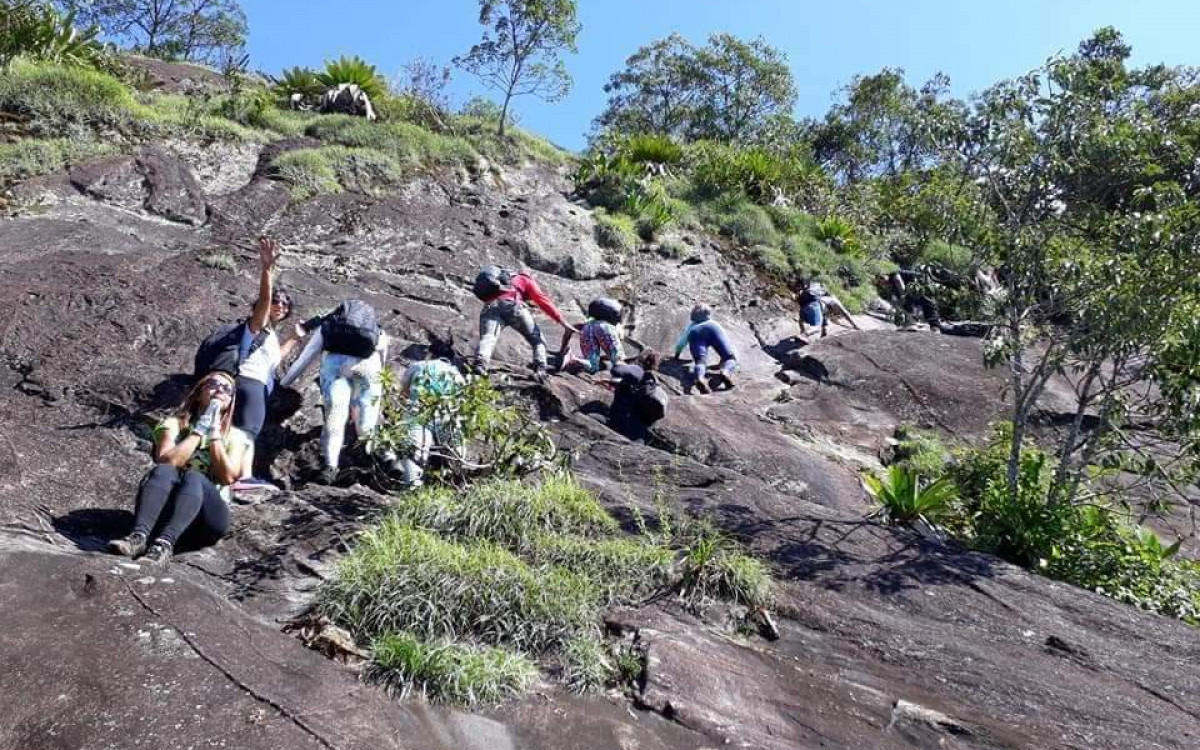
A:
490,281
650,399
351,329
606,309
222,350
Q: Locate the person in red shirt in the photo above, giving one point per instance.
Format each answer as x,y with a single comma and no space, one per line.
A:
507,309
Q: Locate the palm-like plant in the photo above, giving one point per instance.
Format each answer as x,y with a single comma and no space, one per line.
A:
838,234
903,497
36,30
298,80
353,70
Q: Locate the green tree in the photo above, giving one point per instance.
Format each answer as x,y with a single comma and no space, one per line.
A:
521,54
208,31
729,90
1087,169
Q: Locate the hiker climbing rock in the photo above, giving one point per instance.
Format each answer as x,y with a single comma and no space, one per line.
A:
816,303
639,400
701,335
911,290
429,387
504,293
599,338
355,353
199,453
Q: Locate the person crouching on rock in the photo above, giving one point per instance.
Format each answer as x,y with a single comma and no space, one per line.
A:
701,335
355,349
199,454
599,338
504,293
427,386
816,302
639,400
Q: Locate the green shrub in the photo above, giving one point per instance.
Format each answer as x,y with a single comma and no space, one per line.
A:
514,148
838,233
615,231
650,148
31,157
37,31
715,567
790,220
353,70
297,80
758,173
905,496
957,258
448,672
772,260
920,452
740,219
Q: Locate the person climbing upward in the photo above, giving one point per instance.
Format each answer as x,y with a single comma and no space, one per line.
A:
639,400
599,337
427,386
816,302
198,453
355,353
504,294
261,354
702,334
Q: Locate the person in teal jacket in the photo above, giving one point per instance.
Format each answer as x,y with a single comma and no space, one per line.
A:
701,335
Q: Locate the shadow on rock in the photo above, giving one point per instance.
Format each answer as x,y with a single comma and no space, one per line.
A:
90,529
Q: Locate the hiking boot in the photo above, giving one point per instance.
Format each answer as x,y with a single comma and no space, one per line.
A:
539,373
725,380
159,553
329,475
701,386
131,546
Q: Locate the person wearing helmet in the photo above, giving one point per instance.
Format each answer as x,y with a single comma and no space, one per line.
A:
701,335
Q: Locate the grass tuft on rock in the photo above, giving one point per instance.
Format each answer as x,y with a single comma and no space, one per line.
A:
447,672
33,157
527,566
338,169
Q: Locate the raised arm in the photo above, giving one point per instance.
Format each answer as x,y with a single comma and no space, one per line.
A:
268,252
534,294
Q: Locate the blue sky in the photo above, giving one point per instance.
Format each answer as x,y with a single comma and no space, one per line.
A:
975,42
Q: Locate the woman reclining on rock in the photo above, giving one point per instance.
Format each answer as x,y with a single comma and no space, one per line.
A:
198,453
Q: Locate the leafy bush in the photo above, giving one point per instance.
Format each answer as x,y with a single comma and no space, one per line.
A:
483,434
615,231
353,70
448,672
760,174
31,157
249,107
738,218
1092,546
904,497
772,260
920,452
790,220
297,80
586,667
959,259
37,31
838,233
650,148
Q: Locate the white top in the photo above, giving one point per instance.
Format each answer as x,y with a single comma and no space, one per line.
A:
260,366
370,366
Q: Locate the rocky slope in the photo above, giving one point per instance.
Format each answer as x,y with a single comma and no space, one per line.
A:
887,640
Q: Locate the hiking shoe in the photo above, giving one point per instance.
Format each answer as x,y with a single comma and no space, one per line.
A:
159,553
329,475
701,386
726,380
131,546
539,373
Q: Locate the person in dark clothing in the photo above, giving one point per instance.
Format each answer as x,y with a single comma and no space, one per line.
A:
198,453
628,415
910,288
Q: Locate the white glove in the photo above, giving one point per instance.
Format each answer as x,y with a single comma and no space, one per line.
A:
208,420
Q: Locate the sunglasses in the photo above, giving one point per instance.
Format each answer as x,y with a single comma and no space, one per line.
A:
281,301
218,386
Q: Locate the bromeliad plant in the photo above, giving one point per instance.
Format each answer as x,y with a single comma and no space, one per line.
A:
37,31
353,70
904,497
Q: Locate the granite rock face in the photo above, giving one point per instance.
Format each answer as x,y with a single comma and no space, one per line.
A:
886,639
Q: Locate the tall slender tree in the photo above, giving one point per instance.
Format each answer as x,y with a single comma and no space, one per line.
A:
521,51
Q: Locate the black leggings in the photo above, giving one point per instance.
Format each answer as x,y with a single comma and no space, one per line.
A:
250,409
194,501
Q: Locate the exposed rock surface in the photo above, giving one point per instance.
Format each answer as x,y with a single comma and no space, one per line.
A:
886,640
